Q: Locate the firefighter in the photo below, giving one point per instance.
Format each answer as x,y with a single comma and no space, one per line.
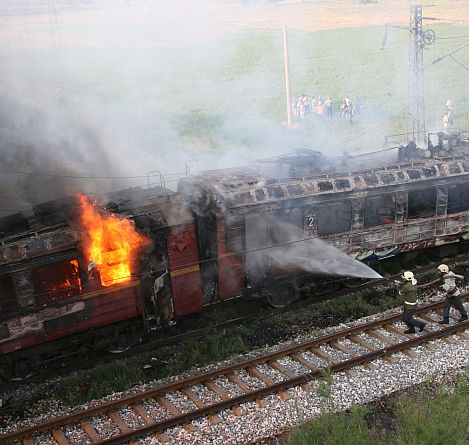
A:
453,295
409,291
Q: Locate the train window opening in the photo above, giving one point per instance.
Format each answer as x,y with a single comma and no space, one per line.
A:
458,198
235,239
8,298
56,282
380,210
257,232
334,217
421,203
286,226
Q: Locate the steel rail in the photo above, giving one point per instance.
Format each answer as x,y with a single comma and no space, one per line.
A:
272,389
252,395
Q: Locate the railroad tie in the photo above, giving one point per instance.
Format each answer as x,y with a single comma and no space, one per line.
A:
369,346
463,335
439,312
387,358
429,346
168,406
409,353
233,378
427,317
171,408
391,328
342,348
283,395
254,372
300,359
141,411
451,316
162,437
361,341
324,355
390,359
370,366
268,381
448,340
88,428
28,441
380,337
59,436
330,359
237,410
212,386
280,368
117,419
214,419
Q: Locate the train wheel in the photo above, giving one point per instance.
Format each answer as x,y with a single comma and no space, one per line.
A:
282,295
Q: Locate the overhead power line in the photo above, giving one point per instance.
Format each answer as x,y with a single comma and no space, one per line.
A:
459,63
52,175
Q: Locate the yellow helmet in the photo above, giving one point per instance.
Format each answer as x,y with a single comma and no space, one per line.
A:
408,275
443,268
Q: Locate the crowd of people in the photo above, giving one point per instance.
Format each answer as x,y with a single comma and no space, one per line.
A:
324,109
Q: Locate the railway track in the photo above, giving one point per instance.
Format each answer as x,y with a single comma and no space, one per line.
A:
227,388
64,369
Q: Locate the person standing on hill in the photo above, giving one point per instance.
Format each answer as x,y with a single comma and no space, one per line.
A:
328,108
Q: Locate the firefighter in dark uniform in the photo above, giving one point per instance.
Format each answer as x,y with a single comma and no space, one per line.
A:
409,291
453,295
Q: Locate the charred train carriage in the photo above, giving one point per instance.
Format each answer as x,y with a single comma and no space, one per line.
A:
76,276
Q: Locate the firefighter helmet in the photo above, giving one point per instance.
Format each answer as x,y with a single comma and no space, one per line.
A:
408,275
443,268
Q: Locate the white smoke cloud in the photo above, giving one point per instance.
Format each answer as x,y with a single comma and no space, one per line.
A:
120,88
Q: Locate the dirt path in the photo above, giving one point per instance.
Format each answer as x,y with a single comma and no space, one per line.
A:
318,15
207,16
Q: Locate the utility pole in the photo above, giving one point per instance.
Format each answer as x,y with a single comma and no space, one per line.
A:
54,22
287,75
418,41
416,110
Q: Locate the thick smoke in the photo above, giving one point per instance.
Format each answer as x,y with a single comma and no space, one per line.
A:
42,152
120,88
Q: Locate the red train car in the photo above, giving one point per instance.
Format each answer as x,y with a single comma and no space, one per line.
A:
51,290
225,233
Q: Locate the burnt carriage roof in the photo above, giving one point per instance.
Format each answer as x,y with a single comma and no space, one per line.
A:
52,227
249,187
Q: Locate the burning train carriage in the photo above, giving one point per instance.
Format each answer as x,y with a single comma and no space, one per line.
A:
369,215
226,233
50,288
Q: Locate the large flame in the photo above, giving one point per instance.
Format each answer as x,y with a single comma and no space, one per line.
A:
111,243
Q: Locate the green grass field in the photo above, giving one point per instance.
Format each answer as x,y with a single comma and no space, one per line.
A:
230,99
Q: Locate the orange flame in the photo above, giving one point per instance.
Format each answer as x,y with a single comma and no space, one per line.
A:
58,281
111,242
